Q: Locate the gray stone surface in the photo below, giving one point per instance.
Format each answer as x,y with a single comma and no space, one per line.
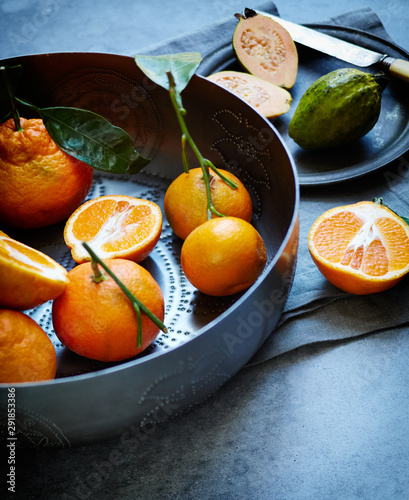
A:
328,421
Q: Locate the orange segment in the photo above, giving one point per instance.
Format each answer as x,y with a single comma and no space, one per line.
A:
28,277
361,248
114,226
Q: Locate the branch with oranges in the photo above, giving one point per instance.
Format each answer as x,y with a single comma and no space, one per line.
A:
209,208
173,72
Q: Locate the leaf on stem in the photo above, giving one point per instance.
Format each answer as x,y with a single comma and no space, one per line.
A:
182,66
91,138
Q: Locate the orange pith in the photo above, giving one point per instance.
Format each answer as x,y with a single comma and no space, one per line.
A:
40,184
98,321
26,352
114,226
28,277
186,202
361,248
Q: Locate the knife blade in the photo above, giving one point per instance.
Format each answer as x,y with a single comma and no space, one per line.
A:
341,49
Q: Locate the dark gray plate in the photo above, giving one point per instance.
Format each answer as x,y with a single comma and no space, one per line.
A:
386,142
209,339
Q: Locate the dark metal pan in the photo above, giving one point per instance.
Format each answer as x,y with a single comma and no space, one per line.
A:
209,338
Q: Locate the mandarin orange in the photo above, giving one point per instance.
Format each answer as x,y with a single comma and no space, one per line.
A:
26,352
114,226
98,321
223,256
40,184
185,201
361,248
28,277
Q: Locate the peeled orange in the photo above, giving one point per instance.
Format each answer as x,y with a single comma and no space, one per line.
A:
114,226
28,277
361,248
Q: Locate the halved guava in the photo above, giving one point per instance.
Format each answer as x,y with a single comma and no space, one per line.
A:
268,99
265,49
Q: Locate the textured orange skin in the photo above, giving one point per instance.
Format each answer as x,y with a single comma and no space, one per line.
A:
21,287
40,185
223,256
342,276
186,202
97,320
26,352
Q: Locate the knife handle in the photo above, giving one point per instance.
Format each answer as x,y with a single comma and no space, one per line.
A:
398,68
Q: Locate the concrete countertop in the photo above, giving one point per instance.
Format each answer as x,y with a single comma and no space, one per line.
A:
321,422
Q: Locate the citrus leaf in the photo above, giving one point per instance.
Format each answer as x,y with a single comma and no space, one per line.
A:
182,67
92,139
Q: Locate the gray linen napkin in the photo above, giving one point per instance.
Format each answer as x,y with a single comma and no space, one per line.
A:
316,311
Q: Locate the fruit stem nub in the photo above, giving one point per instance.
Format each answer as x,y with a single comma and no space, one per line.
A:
137,304
98,275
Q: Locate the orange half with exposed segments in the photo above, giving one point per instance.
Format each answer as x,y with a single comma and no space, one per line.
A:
361,248
114,226
28,277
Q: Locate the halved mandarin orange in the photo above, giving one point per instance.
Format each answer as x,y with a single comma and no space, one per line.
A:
361,248
115,226
28,277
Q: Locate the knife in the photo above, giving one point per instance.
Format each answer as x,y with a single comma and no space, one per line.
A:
346,51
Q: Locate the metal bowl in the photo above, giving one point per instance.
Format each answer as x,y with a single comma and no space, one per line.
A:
209,339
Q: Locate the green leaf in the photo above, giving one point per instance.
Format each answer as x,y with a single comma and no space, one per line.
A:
13,76
182,66
92,139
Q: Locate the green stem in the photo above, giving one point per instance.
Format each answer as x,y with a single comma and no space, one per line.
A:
98,276
137,304
185,159
16,116
203,162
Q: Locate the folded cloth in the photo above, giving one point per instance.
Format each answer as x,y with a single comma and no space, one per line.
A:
316,311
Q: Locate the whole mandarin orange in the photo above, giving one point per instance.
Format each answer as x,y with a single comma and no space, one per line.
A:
40,184
26,352
185,201
223,256
97,320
